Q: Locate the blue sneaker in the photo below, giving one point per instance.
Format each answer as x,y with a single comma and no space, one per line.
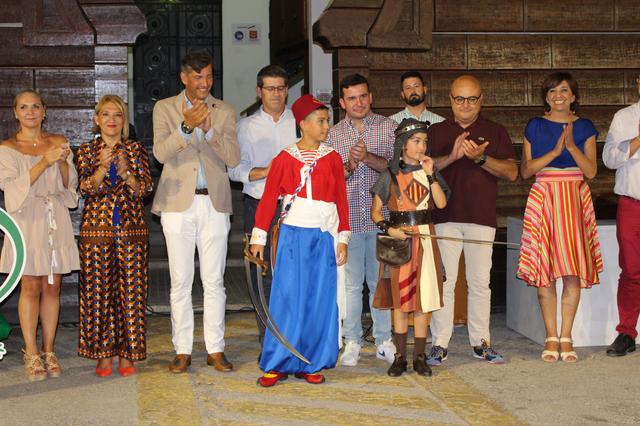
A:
437,355
487,353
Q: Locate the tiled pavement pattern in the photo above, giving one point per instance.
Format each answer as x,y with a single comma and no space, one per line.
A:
464,391
356,395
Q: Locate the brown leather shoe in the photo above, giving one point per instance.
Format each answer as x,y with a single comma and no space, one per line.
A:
180,363
219,362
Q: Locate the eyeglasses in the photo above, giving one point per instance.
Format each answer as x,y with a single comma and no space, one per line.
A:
271,89
459,100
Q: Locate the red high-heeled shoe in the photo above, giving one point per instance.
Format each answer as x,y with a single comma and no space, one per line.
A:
103,372
126,371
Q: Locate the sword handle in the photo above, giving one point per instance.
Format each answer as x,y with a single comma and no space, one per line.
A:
253,259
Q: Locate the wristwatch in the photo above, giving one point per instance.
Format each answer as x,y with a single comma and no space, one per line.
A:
482,160
186,129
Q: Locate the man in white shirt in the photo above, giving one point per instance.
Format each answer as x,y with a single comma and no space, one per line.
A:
621,153
262,136
414,94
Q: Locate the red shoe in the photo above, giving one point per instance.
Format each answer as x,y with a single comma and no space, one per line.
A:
314,379
271,378
126,371
103,372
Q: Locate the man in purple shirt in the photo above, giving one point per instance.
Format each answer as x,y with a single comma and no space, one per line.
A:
471,153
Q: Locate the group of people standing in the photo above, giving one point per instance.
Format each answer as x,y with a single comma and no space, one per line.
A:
415,176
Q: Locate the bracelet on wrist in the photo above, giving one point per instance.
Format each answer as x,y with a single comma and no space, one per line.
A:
432,178
383,225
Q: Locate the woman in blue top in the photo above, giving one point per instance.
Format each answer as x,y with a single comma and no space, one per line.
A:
559,237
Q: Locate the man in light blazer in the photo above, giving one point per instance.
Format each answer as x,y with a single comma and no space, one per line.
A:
194,138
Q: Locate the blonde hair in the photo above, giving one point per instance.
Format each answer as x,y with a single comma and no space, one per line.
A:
15,105
117,101
24,92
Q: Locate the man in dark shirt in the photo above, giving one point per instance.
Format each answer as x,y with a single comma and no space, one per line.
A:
471,153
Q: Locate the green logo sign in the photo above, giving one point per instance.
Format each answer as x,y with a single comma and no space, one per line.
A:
14,235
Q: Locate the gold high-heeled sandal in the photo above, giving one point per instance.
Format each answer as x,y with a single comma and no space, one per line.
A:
33,367
51,364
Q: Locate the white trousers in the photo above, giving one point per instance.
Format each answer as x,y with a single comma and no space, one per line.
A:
203,227
478,273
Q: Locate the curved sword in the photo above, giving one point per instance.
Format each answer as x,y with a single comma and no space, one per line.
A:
260,303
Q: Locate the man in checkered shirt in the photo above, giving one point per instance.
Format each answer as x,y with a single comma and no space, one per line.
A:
365,141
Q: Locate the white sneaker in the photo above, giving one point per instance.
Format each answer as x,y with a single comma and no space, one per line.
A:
386,351
350,355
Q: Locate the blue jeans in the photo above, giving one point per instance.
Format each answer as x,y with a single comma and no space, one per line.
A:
362,265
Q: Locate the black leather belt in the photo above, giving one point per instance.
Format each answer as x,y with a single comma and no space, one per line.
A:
407,218
202,191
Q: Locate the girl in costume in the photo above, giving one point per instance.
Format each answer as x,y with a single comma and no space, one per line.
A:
410,188
312,243
559,237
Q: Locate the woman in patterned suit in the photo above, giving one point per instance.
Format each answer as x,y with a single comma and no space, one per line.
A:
114,179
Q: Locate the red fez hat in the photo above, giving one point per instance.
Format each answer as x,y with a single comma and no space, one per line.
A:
304,106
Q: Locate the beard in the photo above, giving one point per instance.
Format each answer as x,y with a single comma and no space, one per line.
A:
415,100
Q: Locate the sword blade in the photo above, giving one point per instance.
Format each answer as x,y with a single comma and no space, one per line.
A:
252,293
271,324
260,303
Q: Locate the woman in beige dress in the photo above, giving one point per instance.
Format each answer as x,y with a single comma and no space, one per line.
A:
39,183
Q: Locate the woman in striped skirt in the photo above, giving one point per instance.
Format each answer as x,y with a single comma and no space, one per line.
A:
559,237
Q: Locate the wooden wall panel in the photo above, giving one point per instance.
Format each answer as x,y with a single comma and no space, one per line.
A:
12,79
447,52
11,12
626,15
74,124
568,15
68,87
595,51
478,15
509,51
372,4
385,87
499,88
111,80
14,54
358,21
403,24
8,123
115,24
351,57
596,87
111,54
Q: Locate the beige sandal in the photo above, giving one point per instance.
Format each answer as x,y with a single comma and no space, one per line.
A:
51,364
33,367
549,353
570,356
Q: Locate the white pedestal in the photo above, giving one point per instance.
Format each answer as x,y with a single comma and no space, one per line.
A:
597,316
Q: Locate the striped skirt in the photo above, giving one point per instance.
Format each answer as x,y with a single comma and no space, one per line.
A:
559,235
